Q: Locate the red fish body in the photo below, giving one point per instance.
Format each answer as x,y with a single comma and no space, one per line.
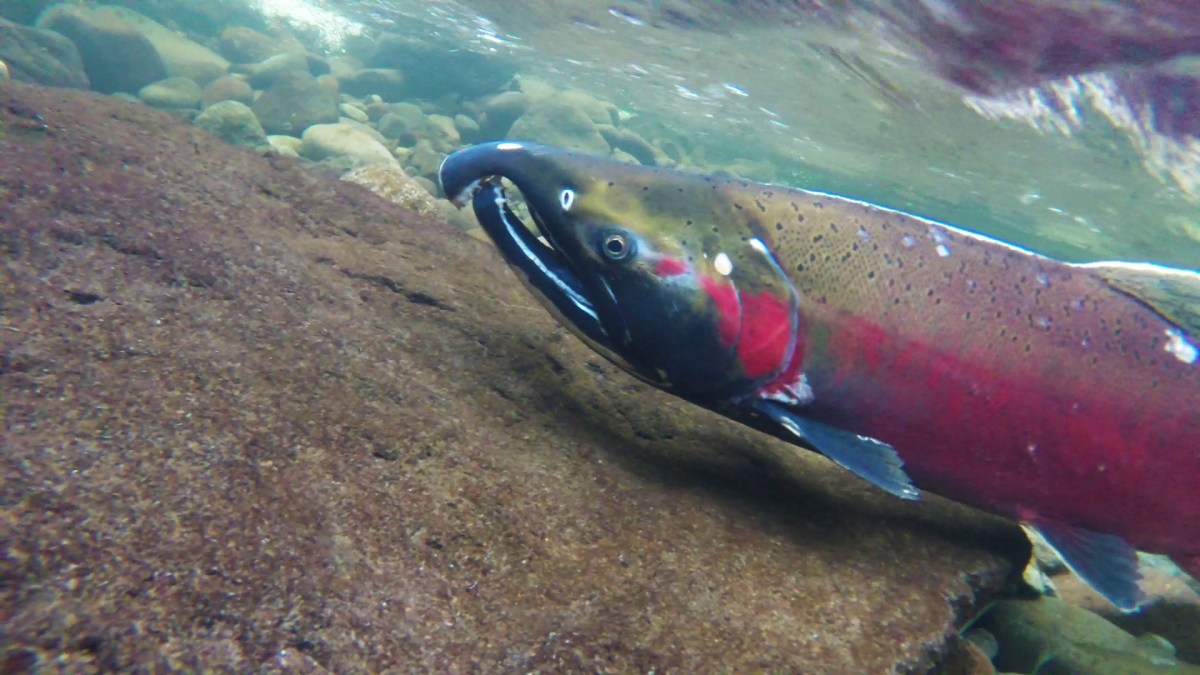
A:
912,353
1011,382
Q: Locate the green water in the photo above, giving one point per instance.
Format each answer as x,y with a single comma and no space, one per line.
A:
842,110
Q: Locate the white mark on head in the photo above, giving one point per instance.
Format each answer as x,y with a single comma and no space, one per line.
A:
863,234
942,251
908,241
1178,346
937,235
566,198
757,245
971,284
509,146
723,264
1032,449
1043,279
1043,322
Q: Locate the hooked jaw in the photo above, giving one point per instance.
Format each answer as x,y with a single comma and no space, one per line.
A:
713,323
472,175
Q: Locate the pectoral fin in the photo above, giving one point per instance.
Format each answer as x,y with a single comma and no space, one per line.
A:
869,459
1106,563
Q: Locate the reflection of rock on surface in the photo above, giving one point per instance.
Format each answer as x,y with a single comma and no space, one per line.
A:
283,421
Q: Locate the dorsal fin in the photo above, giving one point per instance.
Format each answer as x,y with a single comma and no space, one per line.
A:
1173,293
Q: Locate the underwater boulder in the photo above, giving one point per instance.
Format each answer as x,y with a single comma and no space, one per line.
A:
402,119
227,88
233,122
395,185
173,92
294,102
116,56
561,124
387,83
344,142
1053,636
181,56
41,56
241,44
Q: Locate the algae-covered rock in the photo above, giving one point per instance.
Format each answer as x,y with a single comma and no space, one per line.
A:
443,132
600,112
560,124
402,119
24,11
345,141
354,113
467,128
425,160
40,56
173,92
393,184
387,83
227,88
287,146
116,56
233,122
501,110
630,142
294,102
246,45
260,419
181,56
1048,635
264,73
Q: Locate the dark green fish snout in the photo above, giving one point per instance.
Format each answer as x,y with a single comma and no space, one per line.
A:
634,263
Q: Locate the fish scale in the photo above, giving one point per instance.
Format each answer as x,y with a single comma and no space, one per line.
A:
910,352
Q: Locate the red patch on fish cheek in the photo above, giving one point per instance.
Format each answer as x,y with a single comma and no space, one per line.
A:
729,309
670,267
767,334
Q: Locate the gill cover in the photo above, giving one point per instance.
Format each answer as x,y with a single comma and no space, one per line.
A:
635,263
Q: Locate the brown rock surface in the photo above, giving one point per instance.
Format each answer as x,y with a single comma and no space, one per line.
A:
256,418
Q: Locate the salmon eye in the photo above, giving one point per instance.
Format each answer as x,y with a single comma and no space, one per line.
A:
616,245
566,199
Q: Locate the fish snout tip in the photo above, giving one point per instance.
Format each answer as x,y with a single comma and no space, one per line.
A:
464,196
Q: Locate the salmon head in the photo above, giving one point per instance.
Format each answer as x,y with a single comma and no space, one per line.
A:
632,260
